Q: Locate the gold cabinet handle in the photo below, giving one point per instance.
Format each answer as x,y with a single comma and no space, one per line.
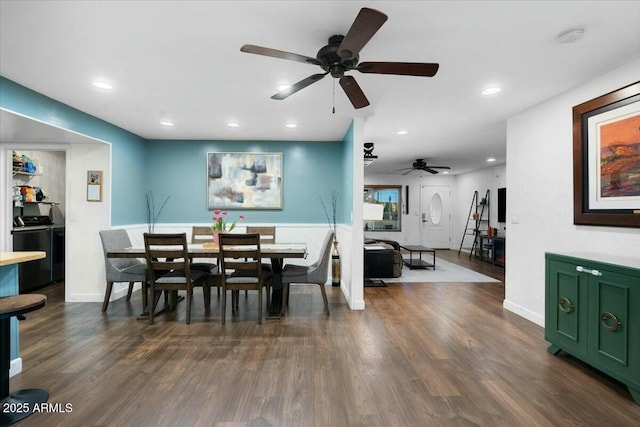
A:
565,305
609,321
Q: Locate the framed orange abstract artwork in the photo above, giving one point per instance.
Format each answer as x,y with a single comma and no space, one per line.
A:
606,159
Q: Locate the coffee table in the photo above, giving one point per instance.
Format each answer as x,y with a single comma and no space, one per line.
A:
419,262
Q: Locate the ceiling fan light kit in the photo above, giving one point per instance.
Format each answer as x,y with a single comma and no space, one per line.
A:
341,55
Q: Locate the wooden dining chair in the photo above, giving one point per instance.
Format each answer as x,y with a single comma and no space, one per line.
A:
199,236
241,268
170,269
267,235
317,273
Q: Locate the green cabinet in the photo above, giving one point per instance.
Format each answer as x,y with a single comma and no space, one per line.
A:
592,311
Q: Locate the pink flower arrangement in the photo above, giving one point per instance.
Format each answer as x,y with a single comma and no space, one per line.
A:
220,223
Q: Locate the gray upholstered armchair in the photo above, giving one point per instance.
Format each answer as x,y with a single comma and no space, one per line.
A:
317,273
121,269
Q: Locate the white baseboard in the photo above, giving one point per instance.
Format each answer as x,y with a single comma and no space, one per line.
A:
119,291
353,304
523,312
15,367
356,305
122,291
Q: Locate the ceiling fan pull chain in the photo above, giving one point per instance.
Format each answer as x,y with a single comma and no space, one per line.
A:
334,96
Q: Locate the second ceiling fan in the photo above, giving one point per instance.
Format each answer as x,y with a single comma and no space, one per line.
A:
421,165
342,55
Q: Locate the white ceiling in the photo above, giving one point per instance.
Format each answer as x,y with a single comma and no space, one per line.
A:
18,129
181,60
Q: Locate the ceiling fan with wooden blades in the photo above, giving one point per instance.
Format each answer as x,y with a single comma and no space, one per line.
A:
342,55
421,165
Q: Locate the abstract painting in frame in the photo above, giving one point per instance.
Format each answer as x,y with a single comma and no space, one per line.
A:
606,159
244,180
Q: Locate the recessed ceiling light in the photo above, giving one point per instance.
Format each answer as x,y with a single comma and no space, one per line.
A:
402,132
283,86
167,123
491,90
291,125
445,172
571,36
102,84
491,159
233,124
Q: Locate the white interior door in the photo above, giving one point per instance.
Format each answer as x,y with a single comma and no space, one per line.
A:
436,216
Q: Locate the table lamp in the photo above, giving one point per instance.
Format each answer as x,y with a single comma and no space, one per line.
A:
372,212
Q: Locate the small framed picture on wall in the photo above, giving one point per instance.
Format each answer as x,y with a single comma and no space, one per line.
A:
94,186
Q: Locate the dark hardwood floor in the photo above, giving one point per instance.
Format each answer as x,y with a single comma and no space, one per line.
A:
421,354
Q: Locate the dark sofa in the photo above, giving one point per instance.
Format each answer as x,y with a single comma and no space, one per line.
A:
382,263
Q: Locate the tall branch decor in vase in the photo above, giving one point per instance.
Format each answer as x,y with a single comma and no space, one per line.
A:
335,254
152,216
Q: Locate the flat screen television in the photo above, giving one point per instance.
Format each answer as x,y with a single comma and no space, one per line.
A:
502,205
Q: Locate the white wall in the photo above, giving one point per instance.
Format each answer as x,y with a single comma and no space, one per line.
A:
491,179
411,225
462,188
352,256
540,194
84,262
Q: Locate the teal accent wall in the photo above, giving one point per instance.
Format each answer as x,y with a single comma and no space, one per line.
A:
128,150
346,194
178,169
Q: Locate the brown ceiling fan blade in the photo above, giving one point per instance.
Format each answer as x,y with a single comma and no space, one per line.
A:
366,24
274,53
428,169
400,68
353,91
298,86
438,167
408,172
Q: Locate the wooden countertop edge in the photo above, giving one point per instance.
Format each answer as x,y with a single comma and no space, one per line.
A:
9,258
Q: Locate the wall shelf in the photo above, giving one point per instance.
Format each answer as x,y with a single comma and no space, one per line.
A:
23,173
43,202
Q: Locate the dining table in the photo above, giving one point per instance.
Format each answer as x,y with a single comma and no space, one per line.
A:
276,252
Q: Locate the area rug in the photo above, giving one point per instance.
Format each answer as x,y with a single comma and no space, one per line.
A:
445,272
